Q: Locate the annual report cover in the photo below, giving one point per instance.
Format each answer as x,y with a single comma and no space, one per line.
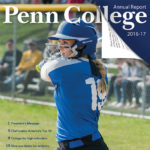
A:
74,75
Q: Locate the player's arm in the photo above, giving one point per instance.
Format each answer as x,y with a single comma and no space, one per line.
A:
51,71
44,72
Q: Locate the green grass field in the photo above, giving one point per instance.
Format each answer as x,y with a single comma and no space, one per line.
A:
120,133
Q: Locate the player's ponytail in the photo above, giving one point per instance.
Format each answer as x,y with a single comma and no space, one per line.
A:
102,84
98,69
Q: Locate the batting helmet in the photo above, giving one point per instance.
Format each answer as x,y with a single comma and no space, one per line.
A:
83,33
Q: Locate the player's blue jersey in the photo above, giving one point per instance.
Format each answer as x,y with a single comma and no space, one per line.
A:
76,96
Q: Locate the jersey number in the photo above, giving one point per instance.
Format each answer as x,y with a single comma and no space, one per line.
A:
95,93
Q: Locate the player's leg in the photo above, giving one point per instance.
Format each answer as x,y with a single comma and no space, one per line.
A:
96,145
88,145
57,148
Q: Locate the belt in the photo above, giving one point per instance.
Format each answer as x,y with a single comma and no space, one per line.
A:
69,144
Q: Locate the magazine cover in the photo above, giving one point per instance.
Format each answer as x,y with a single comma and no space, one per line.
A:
74,75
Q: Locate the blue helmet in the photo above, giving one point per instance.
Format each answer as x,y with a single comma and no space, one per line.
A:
83,33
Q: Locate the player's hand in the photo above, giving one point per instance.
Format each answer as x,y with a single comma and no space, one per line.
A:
40,65
18,68
3,67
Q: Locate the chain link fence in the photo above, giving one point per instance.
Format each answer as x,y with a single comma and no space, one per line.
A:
128,89
129,81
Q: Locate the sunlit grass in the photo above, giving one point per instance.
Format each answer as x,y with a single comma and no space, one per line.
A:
120,133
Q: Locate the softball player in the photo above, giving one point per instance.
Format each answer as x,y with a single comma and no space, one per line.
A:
80,87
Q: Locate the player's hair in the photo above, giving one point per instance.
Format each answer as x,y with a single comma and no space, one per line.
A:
102,84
